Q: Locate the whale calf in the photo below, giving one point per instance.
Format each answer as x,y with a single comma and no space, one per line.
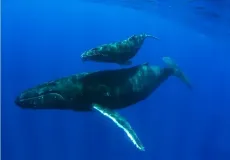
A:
103,91
117,52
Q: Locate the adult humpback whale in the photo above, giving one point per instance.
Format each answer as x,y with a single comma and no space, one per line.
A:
117,52
103,91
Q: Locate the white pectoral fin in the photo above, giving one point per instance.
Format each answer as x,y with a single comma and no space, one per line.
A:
121,123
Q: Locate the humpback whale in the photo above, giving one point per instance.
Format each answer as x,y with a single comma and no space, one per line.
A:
103,91
117,52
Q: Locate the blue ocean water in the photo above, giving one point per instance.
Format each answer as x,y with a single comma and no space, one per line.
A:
42,40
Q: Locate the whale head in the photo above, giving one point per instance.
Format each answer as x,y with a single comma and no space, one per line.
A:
45,96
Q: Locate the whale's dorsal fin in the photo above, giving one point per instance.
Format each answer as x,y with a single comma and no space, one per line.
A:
121,123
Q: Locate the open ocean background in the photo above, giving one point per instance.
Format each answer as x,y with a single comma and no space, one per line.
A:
42,40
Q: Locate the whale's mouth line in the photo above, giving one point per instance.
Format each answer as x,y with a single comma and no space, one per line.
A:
42,96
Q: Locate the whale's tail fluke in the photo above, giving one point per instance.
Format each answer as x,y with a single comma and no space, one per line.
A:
177,71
